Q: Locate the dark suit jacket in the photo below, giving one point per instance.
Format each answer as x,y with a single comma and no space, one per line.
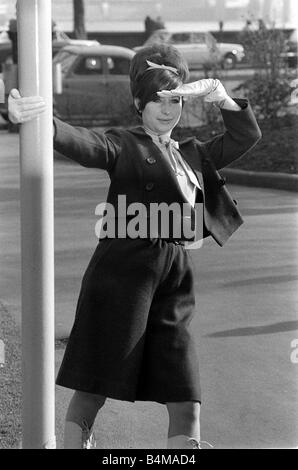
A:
138,170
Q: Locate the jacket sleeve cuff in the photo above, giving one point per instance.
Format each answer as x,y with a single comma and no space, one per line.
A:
242,102
249,126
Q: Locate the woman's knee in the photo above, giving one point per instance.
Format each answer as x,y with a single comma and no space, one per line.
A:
84,406
188,410
89,399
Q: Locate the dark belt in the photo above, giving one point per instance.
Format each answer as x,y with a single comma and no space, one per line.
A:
178,242
168,240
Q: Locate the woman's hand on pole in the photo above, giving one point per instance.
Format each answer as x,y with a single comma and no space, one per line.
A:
24,109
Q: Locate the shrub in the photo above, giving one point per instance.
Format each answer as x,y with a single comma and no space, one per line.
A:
269,90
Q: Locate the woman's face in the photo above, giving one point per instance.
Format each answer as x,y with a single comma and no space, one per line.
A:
161,115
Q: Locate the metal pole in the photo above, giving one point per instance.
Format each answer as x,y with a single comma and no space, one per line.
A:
37,239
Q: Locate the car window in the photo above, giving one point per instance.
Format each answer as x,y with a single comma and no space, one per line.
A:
164,36
198,38
180,38
118,65
89,66
211,41
4,36
294,37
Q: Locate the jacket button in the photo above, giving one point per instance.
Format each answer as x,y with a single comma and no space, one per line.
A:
150,160
149,186
222,181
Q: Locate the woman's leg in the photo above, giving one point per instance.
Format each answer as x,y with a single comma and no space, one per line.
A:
80,416
184,424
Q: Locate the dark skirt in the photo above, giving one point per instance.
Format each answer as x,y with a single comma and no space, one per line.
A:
130,339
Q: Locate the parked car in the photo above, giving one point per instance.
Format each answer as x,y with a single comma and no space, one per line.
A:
291,54
5,47
95,84
59,40
199,49
70,59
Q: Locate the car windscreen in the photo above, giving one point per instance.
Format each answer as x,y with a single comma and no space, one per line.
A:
89,65
118,65
66,59
180,38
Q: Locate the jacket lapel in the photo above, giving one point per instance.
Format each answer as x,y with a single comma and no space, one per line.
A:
139,131
191,158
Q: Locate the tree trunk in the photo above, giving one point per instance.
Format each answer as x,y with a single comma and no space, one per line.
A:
79,19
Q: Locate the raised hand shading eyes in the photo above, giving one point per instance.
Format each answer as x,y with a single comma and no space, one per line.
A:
211,89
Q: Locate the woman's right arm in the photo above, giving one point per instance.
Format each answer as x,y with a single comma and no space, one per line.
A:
86,147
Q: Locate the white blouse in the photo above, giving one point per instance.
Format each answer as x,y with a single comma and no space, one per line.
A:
186,178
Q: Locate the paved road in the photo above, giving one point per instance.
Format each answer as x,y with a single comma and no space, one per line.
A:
246,301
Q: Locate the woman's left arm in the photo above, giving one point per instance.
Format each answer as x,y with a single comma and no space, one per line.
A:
242,131
229,104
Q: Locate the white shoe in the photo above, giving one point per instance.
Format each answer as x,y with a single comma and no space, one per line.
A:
200,444
186,442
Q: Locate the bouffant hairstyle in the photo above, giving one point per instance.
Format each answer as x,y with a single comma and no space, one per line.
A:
145,82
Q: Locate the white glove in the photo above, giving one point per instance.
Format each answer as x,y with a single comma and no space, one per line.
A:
218,94
24,109
210,88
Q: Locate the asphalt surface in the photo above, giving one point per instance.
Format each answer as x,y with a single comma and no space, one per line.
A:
246,319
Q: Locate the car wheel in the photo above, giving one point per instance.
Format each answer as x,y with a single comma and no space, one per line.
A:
229,61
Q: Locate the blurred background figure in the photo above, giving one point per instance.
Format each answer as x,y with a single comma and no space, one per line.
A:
13,36
152,25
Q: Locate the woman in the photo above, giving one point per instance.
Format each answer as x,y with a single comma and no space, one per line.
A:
131,339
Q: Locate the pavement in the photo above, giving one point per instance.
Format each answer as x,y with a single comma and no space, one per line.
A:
246,319
261,179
